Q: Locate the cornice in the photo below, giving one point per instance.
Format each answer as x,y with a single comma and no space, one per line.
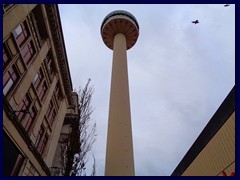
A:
58,40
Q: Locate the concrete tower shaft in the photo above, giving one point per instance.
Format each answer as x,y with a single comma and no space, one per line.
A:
119,31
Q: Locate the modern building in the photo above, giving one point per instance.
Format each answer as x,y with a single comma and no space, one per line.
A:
213,152
37,88
119,32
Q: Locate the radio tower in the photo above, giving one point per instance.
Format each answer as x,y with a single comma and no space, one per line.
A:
119,32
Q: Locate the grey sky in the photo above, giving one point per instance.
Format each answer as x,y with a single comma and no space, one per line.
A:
179,74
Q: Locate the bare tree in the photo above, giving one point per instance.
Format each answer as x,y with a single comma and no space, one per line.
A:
94,167
83,135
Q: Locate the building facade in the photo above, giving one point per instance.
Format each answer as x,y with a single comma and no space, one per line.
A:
37,88
69,141
213,152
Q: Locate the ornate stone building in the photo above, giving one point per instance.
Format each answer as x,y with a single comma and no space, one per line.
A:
37,88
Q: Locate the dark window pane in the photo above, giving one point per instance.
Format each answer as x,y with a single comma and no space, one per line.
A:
27,52
9,78
6,58
52,118
49,110
43,145
37,79
42,142
20,33
40,135
25,104
12,159
28,120
20,39
42,91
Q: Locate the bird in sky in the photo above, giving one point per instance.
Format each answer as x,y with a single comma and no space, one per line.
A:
226,5
195,22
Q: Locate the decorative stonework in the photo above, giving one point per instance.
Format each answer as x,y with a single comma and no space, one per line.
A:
56,29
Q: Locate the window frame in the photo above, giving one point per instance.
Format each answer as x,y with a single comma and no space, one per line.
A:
24,105
21,33
7,55
29,119
42,140
38,79
9,79
42,91
27,52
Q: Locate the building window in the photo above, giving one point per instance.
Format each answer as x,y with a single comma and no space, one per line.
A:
28,119
42,91
44,144
37,79
50,68
38,19
52,117
32,170
50,65
25,104
49,110
27,52
9,51
9,78
50,114
6,57
40,135
12,158
18,165
57,91
42,140
21,33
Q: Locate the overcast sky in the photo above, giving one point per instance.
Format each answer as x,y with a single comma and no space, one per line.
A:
179,74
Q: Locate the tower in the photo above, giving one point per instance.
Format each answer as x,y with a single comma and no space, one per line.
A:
119,32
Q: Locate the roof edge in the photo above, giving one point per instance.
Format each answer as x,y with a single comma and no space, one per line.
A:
222,114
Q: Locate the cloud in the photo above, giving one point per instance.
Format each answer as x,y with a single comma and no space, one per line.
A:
179,74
